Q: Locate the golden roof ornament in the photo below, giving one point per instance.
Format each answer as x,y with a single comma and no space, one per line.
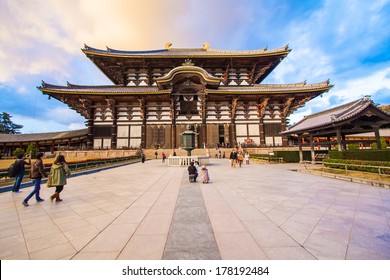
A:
188,62
206,46
168,45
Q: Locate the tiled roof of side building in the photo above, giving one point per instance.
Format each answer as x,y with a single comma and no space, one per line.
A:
332,116
33,137
191,52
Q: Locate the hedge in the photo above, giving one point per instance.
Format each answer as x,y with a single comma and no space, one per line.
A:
366,166
371,155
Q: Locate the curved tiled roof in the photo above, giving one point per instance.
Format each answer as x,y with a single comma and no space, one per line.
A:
332,116
104,89
128,90
273,88
49,136
187,52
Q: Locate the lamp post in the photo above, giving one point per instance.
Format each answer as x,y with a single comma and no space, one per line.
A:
188,140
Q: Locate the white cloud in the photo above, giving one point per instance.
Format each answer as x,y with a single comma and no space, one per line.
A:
373,85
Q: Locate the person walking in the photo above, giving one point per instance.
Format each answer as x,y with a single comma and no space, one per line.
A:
59,172
233,158
21,162
156,154
37,171
240,159
163,156
143,158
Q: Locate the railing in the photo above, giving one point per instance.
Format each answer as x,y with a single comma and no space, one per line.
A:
186,160
380,170
74,167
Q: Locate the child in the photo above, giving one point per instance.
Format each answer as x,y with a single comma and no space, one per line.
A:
204,176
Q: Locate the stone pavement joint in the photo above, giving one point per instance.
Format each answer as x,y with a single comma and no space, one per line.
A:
151,211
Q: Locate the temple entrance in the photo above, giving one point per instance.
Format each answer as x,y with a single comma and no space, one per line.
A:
221,130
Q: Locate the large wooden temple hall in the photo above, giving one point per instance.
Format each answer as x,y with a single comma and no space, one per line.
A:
157,93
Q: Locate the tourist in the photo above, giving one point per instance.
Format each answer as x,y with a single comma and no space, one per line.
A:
143,158
19,177
163,156
233,158
37,171
174,154
58,173
223,155
192,173
240,158
204,175
246,158
156,154
196,164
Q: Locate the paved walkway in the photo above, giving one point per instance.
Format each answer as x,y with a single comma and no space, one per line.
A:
151,211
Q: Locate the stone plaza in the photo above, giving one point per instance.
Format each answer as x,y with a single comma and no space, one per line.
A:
151,211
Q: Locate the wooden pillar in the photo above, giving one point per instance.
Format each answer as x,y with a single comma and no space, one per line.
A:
313,156
114,128
344,143
89,124
232,135
261,130
203,128
378,138
143,125
173,124
300,148
339,139
284,137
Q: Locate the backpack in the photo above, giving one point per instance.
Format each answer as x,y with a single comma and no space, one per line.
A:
15,169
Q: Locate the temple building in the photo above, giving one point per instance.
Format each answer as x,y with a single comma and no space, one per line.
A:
157,93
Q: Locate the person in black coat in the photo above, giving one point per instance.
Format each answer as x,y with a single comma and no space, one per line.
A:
192,172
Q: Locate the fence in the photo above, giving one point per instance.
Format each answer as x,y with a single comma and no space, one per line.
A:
73,166
380,170
186,160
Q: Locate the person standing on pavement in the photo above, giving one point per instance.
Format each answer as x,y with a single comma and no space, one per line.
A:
59,172
19,178
233,158
37,171
246,158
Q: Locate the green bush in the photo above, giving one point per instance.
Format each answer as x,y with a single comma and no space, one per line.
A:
369,155
383,144
18,151
292,156
365,166
32,149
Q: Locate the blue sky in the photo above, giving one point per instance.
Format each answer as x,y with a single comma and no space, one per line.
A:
346,41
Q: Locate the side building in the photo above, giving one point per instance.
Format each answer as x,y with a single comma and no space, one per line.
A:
157,93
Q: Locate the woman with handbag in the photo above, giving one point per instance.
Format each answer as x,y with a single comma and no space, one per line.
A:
58,173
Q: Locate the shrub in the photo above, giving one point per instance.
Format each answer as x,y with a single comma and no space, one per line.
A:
368,155
18,151
366,166
32,149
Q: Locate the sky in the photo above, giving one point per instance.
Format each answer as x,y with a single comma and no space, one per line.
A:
346,41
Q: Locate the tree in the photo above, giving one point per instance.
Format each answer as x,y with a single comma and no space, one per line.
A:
7,126
383,144
32,149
